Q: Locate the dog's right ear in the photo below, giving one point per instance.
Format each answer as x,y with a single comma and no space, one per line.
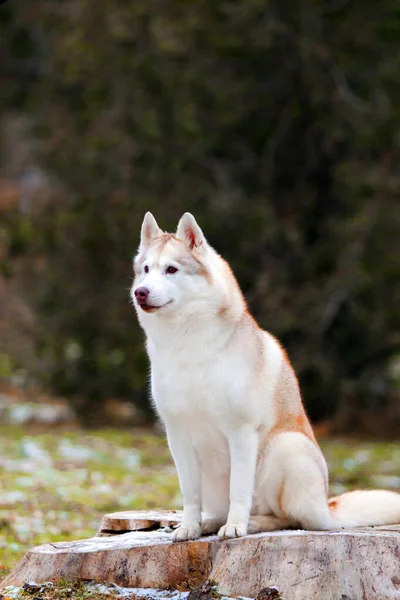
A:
150,230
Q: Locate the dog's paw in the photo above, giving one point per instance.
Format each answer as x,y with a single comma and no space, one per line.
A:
184,533
211,526
232,530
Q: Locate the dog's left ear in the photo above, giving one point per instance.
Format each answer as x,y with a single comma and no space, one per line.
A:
190,232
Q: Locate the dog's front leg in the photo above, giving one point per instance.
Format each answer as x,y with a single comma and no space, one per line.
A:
187,465
243,447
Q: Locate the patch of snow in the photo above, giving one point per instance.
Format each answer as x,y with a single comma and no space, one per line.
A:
132,460
34,450
13,497
150,593
15,592
20,414
12,591
386,481
74,452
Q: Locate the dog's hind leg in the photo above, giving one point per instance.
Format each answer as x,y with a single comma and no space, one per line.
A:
262,523
294,482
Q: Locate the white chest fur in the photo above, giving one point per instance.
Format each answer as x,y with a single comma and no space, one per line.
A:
200,378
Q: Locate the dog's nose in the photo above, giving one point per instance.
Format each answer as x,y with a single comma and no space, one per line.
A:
141,294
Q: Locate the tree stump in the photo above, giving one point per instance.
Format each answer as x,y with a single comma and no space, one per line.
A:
137,520
352,564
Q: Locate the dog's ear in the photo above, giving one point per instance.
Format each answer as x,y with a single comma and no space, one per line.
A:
150,230
190,232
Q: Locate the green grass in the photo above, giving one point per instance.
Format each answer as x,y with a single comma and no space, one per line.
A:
56,486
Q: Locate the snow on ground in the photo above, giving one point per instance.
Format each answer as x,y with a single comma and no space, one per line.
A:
17,593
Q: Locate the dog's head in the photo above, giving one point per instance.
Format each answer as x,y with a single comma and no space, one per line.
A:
173,272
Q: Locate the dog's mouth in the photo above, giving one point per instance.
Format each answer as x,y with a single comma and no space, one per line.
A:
150,307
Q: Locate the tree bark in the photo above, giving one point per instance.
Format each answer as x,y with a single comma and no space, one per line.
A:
353,564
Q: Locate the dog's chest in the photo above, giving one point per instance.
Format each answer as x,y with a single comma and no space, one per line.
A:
182,384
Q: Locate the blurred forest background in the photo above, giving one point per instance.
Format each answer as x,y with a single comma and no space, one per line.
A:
275,122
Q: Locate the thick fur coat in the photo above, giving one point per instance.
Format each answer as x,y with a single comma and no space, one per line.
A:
245,452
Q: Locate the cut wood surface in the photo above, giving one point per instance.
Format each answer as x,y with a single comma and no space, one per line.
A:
335,565
135,520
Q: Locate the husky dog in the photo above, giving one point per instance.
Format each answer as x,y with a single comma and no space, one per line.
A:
243,447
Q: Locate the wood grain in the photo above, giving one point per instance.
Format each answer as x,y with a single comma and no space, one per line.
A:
136,520
356,564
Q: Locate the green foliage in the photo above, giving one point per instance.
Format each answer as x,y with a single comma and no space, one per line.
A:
276,123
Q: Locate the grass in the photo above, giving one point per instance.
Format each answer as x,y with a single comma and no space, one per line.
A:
57,485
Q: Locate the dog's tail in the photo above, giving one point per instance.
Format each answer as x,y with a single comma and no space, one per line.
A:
363,508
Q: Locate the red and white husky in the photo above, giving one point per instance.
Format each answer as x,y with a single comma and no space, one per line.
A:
244,449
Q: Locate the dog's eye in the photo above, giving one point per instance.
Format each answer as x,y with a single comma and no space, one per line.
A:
146,269
171,270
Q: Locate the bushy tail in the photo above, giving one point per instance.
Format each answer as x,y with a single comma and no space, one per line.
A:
363,508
